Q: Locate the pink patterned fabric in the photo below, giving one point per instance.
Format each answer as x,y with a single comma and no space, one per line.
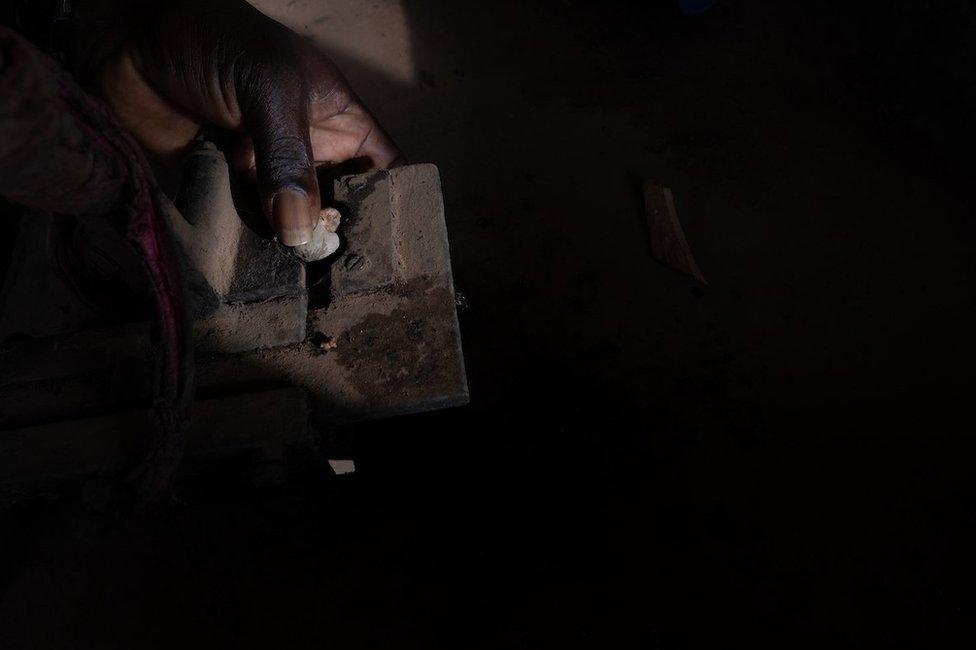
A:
63,151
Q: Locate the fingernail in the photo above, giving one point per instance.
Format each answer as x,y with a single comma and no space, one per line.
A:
289,208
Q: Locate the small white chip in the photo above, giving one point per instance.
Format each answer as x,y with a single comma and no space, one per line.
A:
341,467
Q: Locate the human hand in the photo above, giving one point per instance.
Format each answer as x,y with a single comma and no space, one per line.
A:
180,64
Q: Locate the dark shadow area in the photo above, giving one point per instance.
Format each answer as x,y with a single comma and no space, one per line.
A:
782,457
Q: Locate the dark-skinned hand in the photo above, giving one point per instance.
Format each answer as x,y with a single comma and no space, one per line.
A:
167,68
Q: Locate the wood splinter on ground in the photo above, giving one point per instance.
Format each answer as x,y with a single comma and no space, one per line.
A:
668,243
341,467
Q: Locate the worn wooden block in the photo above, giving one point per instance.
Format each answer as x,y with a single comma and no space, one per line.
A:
232,274
367,263
396,342
246,290
205,223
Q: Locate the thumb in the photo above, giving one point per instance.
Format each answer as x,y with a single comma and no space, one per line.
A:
274,111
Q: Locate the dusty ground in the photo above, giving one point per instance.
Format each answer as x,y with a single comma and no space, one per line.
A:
781,455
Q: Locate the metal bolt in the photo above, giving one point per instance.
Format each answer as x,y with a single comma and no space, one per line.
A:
356,185
354,262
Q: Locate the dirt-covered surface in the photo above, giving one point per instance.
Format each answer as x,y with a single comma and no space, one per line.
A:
407,355
782,458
